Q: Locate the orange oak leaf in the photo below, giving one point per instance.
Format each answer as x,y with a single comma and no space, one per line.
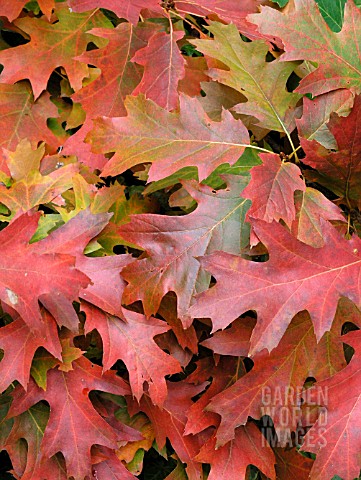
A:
51,46
74,425
170,141
172,243
131,340
284,285
30,187
163,68
12,9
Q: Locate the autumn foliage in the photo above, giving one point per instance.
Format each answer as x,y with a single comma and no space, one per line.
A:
180,210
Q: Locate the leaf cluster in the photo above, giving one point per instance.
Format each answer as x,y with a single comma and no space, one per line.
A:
180,208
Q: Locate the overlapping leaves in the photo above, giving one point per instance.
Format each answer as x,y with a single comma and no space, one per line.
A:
157,282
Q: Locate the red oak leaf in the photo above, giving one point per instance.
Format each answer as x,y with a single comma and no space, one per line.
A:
170,141
311,207
187,338
21,117
20,344
107,285
74,425
283,286
129,9
231,11
337,428
170,422
172,243
132,341
272,386
316,114
230,462
75,145
343,166
106,288
163,68
234,340
23,283
306,36
272,189
27,459
51,46
118,73
111,468
292,464
195,73
225,373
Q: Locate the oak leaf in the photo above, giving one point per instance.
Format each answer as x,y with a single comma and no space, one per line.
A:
51,46
306,36
22,117
243,67
129,9
172,243
27,459
170,422
311,207
74,425
344,165
131,340
163,68
30,187
12,9
337,426
118,73
272,189
227,371
284,285
47,274
231,11
231,461
292,464
274,384
170,141
316,115
19,345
